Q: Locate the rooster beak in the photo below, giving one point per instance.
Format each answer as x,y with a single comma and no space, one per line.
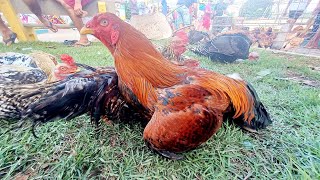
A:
86,30
77,70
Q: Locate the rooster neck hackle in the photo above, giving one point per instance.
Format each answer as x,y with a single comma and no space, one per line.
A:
141,67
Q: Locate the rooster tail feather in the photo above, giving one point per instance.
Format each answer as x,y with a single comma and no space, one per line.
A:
261,117
66,99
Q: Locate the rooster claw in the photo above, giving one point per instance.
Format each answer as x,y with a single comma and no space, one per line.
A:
170,155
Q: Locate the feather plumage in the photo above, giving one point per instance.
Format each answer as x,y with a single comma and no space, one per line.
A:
16,68
225,48
186,106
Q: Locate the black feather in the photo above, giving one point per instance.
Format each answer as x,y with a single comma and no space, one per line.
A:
96,93
197,36
260,121
225,48
69,98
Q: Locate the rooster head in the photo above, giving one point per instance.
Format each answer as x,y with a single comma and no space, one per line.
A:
253,56
179,43
67,67
105,27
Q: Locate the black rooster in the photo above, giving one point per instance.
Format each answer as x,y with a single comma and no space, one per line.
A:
225,48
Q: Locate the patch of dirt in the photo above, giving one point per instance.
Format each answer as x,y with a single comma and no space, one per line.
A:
21,176
295,77
315,68
27,174
307,61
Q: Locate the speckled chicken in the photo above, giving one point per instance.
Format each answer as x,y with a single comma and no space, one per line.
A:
16,68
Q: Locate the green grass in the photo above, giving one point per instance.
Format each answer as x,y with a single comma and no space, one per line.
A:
288,149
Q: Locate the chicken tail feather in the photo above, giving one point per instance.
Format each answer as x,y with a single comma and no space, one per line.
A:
261,116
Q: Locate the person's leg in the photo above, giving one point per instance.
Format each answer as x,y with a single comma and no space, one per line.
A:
7,35
77,21
36,9
5,31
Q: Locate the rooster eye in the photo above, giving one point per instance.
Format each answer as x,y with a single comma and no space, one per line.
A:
103,22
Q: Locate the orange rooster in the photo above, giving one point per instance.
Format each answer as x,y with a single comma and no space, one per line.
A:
186,106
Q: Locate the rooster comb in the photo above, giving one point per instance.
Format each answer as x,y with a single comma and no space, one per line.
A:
67,59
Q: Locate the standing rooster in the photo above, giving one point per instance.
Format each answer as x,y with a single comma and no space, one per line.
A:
186,106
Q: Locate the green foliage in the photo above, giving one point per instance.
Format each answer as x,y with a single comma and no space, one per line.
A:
256,9
288,149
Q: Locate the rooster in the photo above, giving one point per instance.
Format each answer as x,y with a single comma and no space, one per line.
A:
263,37
225,48
24,81
185,106
175,49
93,91
18,68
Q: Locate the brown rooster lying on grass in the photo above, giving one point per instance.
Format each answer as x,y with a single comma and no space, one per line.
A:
186,106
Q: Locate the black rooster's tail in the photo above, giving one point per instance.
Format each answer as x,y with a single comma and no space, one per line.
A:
262,118
77,94
70,98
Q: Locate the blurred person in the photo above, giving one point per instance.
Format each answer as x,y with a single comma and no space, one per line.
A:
314,35
133,6
206,22
183,15
314,41
35,8
220,8
8,37
76,13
